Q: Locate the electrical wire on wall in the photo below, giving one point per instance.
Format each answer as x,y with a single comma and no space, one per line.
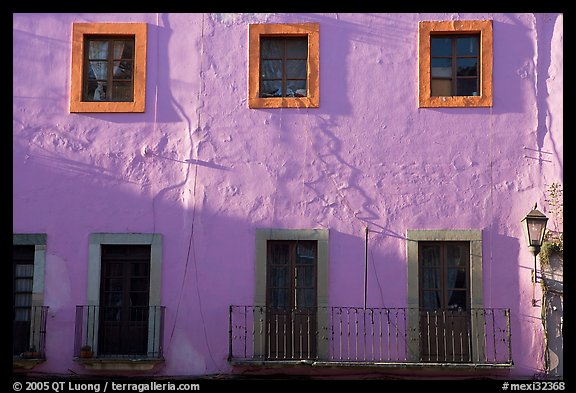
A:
191,252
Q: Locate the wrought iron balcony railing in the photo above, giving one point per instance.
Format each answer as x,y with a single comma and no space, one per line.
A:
354,335
119,332
29,332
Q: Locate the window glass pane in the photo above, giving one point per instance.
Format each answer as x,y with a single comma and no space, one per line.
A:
280,277
304,298
139,284
455,257
114,269
457,300
271,89
123,70
111,313
138,299
271,48
467,46
98,70
431,300
297,48
23,299
467,87
26,270
97,91
23,285
22,314
467,67
440,46
431,277
98,50
140,269
456,278
122,91
124,49
296,69
113,284
279,298
271,69
113,299
117,250
305,253
441,68
431,256
441,87
305,276
296,88
279,253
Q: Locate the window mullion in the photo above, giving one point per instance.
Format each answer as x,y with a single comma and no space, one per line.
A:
454,68
86,69
110,75
284,67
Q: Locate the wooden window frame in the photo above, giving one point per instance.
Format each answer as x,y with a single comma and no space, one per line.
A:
310,30
79,33
443,288
292,265
444,28
110,60
454,57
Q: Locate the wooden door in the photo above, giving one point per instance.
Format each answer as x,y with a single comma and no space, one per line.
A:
291,300
22,276
444,270
124,296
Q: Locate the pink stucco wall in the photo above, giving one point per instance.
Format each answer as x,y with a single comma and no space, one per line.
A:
205,171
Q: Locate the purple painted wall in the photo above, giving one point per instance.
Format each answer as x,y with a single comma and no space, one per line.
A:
205,171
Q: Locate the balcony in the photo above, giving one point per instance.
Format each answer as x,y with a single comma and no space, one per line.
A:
119,338
29,336
371,337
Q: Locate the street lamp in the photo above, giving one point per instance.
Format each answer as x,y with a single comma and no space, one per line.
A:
534,229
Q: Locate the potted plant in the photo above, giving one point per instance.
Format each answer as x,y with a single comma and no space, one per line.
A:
86,351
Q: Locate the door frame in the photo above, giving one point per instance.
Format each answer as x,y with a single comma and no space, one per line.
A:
474,236
321,236
447,317
93,291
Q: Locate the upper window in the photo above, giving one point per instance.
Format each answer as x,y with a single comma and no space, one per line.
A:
284,66
455,64
108,67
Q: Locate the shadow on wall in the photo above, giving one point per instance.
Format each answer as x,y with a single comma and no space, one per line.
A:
69,200
511,66
503,288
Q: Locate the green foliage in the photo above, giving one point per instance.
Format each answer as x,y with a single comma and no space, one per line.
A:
554,236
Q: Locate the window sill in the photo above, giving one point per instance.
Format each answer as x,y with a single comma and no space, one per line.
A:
124,364
26,363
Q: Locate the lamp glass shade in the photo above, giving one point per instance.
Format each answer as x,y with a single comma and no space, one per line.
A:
535,227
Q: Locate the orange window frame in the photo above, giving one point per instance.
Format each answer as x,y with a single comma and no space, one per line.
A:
310,30
79,31
426,29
